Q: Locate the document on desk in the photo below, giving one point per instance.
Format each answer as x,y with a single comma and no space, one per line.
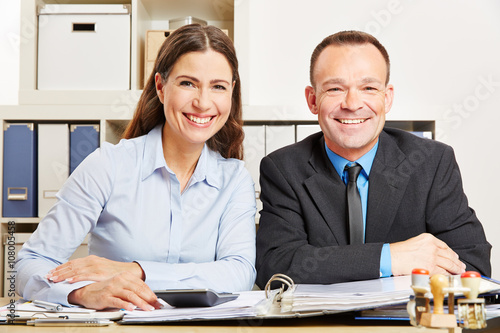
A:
348,296
298,300
302,300
248,304
26,310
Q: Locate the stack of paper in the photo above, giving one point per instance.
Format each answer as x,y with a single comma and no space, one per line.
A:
27,310
248,304
347,296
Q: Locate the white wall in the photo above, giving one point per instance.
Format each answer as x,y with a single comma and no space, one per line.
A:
9,51
445,66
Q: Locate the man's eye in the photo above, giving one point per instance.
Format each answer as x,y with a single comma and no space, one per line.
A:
334,91
371,89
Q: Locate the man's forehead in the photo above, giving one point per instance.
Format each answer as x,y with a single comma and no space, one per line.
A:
346,53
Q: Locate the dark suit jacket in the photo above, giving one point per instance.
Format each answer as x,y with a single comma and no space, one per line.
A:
415,186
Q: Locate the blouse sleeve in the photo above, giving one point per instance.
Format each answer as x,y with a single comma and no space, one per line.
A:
63,229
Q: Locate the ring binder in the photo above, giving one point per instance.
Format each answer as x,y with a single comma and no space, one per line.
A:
282,278
291,301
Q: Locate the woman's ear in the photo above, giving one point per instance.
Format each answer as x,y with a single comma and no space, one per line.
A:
159,86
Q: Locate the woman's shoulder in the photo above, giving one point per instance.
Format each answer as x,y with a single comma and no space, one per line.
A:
125,149
109,156
226,164
228,169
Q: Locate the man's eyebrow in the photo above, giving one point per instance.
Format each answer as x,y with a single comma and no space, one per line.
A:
335,80
370,80
331,82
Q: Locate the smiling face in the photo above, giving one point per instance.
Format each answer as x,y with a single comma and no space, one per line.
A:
196,98
350,97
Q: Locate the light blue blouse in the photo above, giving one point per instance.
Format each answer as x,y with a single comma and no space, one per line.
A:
130,202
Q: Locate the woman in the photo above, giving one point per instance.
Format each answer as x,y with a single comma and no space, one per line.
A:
169,207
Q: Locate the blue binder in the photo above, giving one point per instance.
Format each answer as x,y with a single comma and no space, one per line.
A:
83,140
19,171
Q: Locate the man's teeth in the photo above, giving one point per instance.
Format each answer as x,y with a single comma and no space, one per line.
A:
352,121
199,120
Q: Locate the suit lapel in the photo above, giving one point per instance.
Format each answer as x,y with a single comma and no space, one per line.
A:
328,192
387,186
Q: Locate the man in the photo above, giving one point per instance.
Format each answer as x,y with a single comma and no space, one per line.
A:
413,214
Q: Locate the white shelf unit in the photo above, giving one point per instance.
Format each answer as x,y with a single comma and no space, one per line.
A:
110,109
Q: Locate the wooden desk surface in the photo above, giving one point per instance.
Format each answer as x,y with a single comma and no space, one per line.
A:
331,323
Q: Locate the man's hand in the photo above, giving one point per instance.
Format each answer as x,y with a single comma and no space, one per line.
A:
424,251
123,291
92,268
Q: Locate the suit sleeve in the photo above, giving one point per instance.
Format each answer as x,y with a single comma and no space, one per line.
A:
283,239
452,220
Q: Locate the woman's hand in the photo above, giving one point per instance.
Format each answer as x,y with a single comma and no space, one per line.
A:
122,291
93,268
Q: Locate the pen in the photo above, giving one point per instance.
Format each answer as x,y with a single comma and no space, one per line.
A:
48,306
68,322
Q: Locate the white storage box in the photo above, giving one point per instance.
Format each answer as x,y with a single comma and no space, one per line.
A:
84,47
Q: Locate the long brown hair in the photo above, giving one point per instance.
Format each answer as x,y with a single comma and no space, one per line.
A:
228,141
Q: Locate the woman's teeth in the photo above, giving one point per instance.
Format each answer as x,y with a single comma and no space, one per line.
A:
197,120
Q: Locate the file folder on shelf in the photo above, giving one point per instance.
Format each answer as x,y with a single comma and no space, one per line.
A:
84,139
19,171
53,163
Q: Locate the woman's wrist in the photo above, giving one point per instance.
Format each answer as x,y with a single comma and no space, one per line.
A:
137,270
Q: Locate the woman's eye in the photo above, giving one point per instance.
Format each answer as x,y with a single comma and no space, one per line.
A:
219,87
186,84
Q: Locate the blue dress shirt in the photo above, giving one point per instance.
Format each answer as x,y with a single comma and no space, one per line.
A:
366,161
130,202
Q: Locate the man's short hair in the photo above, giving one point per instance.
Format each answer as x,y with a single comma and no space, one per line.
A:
350,37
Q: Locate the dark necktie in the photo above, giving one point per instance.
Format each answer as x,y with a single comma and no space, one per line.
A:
355,213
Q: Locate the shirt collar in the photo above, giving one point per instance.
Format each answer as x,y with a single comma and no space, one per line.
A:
339,163
206,168
153,152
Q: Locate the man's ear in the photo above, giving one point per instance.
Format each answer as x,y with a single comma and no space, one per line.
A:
159,86
389,97
311,99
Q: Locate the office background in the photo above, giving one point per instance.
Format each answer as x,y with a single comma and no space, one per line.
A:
445,68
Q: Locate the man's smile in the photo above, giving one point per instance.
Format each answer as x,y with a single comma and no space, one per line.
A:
351,121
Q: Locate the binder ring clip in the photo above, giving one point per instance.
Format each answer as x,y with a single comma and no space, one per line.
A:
282,278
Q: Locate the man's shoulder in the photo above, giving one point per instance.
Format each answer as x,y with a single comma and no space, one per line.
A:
300,150
408,142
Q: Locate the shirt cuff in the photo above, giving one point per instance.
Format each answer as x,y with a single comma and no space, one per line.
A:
385,261
60,292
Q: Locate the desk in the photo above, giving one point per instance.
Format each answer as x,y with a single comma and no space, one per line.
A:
331,323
